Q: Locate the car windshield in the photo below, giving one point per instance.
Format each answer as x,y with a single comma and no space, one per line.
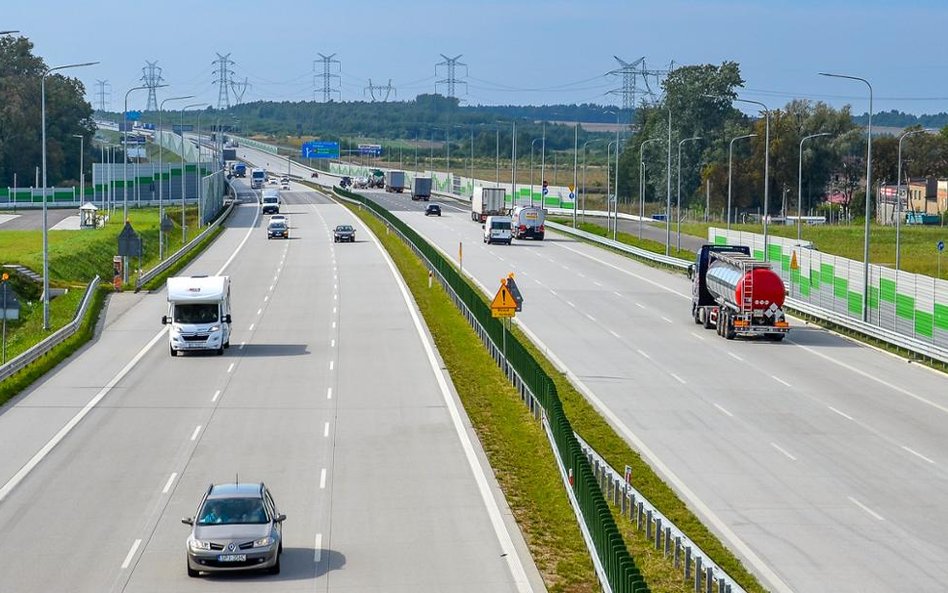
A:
232,511
195,313
277,225
344,228
500,225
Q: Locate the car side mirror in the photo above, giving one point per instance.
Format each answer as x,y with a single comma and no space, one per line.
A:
164,320
279,519
691,272
188,521
227,318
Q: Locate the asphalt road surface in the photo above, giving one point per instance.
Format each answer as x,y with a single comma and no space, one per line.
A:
330,393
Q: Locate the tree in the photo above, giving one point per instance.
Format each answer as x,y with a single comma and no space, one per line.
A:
67,113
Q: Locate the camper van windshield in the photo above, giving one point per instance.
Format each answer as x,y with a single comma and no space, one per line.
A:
195,313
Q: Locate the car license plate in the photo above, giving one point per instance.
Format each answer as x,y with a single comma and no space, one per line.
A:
232,558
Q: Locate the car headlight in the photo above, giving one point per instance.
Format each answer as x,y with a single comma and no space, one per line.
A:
215,328
263,542
198,545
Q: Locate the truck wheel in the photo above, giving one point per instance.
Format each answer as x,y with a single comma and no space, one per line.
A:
729,332
696,314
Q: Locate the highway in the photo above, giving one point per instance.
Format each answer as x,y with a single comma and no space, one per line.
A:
819,461
331,393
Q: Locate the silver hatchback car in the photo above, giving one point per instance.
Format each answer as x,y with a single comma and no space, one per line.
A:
237,527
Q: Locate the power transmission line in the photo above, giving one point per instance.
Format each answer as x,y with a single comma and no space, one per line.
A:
103,95
151,78
224,74
388,88
327,87
451,80
630,74
239,89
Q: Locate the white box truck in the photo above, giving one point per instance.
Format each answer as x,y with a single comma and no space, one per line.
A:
488,201
528,222
198,313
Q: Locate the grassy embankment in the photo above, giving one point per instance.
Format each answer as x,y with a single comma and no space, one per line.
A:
522,459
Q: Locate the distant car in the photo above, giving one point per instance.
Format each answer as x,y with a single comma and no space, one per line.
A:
237,527
345,181
284,185
344,232
272,181
433,210
278,228
280,217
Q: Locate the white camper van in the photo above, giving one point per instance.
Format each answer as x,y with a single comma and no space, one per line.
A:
199,313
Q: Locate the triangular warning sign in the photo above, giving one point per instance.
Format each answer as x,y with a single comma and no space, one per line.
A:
503,299
793,261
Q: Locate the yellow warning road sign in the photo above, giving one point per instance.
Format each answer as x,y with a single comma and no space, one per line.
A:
793,262
504,303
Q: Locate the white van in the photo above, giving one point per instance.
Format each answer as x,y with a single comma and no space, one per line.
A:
498,229
199,313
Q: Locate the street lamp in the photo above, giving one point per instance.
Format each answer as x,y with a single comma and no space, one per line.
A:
898,199
668,182
800,183
184,162
82,173
730,157
642,181
45,219
532,142
585,144
575,170
766,165
161,174
865,247
125,158
678,204
542,168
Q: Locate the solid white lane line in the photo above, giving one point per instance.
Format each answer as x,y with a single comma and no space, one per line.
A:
326,430
251,327
642,352
217,394
318,548
332,363
843,414
699,336
169,482
784,451
779,380
615,334
322,479
735,356
131,554
667,319
332,343
874,514
917,454
679,379
197,430
231,367
723,411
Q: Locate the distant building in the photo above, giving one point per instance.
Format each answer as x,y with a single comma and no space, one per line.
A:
918,197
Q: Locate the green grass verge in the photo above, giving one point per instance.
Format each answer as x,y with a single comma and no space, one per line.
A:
11,386
521,456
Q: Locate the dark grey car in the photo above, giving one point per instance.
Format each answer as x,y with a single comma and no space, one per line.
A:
344,232
237,527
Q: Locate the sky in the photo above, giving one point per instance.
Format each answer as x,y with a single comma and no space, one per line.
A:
520,52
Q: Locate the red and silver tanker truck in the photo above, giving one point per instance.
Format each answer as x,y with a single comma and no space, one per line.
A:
737,294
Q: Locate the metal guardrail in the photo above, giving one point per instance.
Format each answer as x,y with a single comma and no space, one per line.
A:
51,341
177,255
869,330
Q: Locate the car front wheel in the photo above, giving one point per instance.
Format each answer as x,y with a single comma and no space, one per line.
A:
191,572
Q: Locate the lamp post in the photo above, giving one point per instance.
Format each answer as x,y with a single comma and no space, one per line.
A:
542,167
575,169
730,160
678,203
184,162
898,199
585,144
82,174
609,184
766,165
125,162
642,181
668,183
532,142
865,247
161,173
46,73
800,183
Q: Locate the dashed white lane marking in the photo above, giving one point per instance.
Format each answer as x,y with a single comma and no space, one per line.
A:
169,482
784,451
843,414
597,283
781,381
699,336
570,303
322,479
735,356
639,305
332,363
333,310
230,368
335,297
251,327
266,298
259,311
318,548
271,287
334,325
642,352
326,429
131,554
217,394
591,318
197,430
723,411
679,379
667,319
332,343
615,334
917,454
617,293
871,512
329,393
553,292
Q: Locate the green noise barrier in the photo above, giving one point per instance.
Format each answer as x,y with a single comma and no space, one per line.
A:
526,373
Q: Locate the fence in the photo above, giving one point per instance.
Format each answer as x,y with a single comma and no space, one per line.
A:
19,362
619,571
